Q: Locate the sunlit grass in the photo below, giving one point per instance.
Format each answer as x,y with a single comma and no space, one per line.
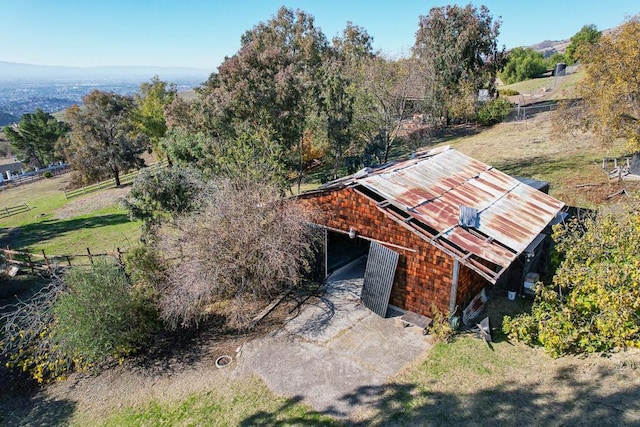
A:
247,402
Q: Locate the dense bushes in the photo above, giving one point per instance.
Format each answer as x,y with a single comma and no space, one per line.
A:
508,92
594,302
494,111
89,317
523,64
239,250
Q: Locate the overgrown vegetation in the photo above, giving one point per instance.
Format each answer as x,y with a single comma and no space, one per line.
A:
494,111
77,322
593,303
243,246
607,102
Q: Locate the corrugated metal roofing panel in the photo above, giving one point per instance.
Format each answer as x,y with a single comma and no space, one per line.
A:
432,188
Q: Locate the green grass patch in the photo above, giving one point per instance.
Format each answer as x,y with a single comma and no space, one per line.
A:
244,403
464,357
88,221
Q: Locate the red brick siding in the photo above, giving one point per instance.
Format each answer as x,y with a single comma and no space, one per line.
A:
422,278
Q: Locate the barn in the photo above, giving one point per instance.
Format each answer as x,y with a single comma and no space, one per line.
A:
437,228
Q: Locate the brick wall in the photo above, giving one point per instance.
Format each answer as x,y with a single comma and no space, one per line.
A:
423,278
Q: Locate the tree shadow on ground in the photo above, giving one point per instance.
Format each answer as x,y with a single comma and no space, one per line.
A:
173,350
575,402
31,234
22,403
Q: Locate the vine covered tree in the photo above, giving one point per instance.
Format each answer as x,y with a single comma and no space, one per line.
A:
34,138
458,52
104,139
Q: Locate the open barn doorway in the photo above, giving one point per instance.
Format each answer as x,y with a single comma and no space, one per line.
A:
343,250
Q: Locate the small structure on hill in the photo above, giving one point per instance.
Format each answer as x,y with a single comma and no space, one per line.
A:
440,227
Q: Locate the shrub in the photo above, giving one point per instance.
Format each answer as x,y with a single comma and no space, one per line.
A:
508,92
77,323
522,64
164,192
593,304
99,314
494,111
441,328
242,247
47,174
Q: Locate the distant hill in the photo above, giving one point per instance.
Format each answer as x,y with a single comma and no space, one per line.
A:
14,70
549,47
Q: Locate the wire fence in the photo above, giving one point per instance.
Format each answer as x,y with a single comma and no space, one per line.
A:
37,263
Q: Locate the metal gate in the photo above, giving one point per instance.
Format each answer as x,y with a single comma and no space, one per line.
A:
378,278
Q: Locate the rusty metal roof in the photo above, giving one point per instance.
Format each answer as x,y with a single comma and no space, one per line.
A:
429,190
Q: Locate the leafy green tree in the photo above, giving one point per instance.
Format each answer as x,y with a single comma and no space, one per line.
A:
34,138
523,64
151,102
458,53
105,139
581,42
593,304
272,84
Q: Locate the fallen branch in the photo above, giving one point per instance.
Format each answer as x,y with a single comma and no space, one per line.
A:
622,192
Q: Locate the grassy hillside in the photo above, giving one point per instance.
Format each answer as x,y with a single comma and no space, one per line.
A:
573,165
61,226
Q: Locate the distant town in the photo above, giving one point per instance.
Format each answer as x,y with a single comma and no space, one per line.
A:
24,96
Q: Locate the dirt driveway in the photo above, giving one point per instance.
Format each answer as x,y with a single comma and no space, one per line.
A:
334,349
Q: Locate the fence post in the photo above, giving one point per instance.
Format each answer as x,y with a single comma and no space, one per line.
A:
46,261
119,256
90,257
68,260
33,270
27,206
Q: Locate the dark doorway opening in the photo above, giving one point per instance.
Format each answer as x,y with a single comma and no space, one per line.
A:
341,250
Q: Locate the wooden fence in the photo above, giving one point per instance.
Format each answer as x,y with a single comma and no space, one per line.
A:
13,210
33,262
109,183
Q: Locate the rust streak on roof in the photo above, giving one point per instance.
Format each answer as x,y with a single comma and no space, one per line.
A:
431,188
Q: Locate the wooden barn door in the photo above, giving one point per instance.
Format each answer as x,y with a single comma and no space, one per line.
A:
378,278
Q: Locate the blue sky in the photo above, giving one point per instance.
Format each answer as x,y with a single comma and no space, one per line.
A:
200,33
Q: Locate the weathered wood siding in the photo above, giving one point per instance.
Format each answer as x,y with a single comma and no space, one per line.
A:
423,278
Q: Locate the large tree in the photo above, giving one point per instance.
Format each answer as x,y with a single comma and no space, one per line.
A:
104,139
151,102
458,51
272,84
34,138
610,91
